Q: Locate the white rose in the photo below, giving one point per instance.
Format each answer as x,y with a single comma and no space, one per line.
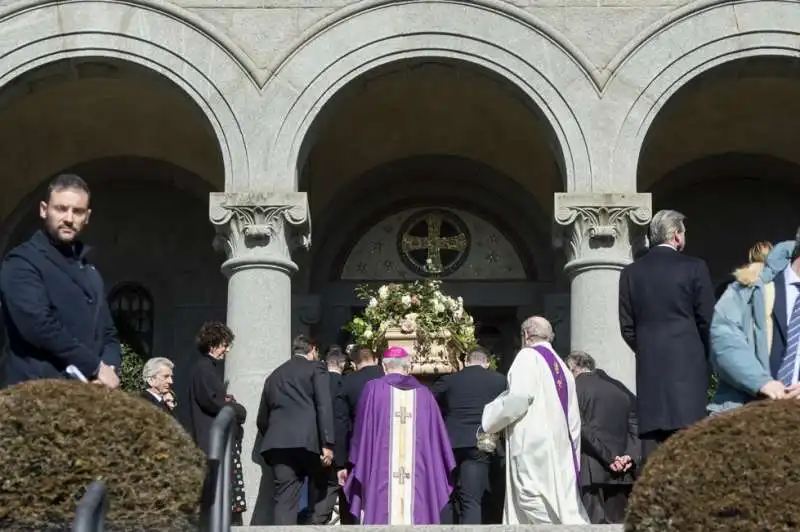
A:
372,302
460,301
406,300
368,333
438,307
383,292
457,313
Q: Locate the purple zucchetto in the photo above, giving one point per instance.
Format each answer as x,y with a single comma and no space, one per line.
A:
395,352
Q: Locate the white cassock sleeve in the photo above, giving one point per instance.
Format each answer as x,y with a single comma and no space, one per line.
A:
512,404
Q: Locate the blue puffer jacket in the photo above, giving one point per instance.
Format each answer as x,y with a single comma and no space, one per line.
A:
741,331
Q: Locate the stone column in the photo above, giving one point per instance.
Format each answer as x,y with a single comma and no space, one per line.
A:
599,232
257,232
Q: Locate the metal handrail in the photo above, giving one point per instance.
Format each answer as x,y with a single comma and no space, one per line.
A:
92,509
216,504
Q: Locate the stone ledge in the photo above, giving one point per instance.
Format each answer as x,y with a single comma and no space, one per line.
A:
442,528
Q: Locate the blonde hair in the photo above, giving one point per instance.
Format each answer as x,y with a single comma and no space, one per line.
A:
759,252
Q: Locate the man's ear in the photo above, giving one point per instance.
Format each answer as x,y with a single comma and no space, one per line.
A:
43,210
88,217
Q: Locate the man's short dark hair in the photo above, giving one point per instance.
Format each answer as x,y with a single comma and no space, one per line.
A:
796,250
302,345
213,334
361,354
64,182
335,355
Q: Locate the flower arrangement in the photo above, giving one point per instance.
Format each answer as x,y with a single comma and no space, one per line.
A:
415,308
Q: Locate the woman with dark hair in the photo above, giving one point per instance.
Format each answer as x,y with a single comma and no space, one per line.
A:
208,395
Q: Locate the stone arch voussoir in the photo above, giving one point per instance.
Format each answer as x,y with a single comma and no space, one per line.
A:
553,78
162,38
704,38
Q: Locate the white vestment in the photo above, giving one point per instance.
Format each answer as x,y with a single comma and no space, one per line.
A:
541,484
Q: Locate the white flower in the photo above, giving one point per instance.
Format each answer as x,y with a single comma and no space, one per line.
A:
368,333
406,300
460,301
383,326
438,308
383,292
372,302
457,313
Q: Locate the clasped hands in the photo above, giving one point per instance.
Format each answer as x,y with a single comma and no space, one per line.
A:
621,464
778,390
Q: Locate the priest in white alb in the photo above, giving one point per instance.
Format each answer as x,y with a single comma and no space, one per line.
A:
539,415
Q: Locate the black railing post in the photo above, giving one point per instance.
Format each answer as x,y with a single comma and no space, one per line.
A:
216,505
92,509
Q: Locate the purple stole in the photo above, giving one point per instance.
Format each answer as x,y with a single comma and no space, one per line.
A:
561,389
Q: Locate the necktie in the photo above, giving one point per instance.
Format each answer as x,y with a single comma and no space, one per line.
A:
786,371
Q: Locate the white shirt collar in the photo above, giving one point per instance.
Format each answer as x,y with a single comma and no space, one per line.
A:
157,396
790,276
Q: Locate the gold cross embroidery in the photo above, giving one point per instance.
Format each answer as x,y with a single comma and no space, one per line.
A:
403,415
402,475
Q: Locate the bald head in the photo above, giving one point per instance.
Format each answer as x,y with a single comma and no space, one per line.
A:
536,329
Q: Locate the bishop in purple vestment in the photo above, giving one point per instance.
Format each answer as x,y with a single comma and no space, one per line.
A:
400,452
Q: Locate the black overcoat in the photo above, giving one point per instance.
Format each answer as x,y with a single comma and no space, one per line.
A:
55,312
666,301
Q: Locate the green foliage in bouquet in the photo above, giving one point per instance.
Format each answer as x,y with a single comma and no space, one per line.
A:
419,307
735,472
58,436
130,372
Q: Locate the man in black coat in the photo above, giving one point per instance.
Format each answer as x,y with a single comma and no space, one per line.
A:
53,300
462,397
666,301
296,418
608,428
335,359
366,368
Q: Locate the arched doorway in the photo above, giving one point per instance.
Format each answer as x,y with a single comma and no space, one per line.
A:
431,136
722,150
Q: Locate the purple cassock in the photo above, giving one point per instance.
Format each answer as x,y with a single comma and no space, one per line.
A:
401,455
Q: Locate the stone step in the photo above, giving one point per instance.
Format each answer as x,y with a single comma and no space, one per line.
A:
441,528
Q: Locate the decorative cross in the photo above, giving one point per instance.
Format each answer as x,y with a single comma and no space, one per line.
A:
402,475
403,415
434,242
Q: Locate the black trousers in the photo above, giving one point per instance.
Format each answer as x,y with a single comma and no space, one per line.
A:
650,442
606,503
290,468
472,485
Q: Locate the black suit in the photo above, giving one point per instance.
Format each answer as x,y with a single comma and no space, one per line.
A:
462,397
341,426
296,418
352,387
55,312
780,322
666,301
607,419
156,402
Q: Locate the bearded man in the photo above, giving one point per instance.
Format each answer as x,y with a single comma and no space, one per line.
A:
54,307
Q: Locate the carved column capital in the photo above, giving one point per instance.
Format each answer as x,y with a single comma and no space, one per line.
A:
260,228
600,229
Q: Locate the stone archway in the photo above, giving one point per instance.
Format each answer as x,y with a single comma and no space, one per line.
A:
188,53
740,159
510,46
707,34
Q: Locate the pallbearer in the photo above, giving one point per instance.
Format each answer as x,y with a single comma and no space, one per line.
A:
400,452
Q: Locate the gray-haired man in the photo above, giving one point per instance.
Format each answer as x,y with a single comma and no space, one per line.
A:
666,301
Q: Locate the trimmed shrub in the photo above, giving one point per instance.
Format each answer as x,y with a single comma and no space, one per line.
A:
57,436
736,472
